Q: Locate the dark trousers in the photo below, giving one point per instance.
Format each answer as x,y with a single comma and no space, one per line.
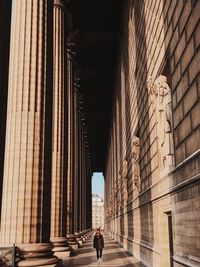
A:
99,253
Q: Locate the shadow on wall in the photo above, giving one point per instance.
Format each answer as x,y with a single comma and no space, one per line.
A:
127,78
146,209
136,11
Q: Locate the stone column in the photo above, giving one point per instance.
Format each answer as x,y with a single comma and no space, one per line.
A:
79,159
89,197
88,185
83,183
76,151
27,170
59,190
5,18
80,163
70,148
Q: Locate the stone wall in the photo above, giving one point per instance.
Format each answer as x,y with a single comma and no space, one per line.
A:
159,40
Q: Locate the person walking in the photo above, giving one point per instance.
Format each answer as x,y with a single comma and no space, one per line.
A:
98,244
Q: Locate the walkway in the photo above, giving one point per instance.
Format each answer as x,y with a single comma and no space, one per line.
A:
113,255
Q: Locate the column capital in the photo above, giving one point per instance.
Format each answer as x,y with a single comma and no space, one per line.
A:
72,41
77,80
58,3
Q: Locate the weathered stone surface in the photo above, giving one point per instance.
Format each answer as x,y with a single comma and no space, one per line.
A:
58,186
138,67
26,194
38,262
37,247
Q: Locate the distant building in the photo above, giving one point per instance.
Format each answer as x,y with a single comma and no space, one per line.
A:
97,211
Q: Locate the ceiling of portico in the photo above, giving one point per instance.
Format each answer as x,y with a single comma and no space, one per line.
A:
98,23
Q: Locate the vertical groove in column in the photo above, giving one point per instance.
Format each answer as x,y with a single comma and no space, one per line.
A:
23,187
58,215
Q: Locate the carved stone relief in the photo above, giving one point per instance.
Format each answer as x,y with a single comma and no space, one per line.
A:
125,188
124,169
160,94
135,156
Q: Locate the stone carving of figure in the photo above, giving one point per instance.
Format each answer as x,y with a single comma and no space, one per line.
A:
113,200
151,86
119,191
162,95
124,169
152,90
135,161
110,205
124,179
125,190
107,212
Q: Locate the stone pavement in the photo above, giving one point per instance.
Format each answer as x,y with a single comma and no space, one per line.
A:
113,255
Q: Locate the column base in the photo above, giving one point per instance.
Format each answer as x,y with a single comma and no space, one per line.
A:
2,262
71,241
82,236
61,249
36,255
79,239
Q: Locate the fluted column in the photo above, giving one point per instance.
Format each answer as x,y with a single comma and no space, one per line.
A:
27,169
59,190
76,152
82,178
69,221
58,214
84,181
80,165
88,197
5,18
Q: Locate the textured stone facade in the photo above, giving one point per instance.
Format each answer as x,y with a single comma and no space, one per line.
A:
46,176
153,162
157,103
97,211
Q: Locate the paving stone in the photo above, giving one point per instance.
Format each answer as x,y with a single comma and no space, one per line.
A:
113,255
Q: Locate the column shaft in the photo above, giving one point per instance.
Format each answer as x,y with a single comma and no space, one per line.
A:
76,161
58,211
80,172
26,186
84,187
70,147
5,18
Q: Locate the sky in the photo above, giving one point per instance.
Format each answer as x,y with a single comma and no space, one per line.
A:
98,183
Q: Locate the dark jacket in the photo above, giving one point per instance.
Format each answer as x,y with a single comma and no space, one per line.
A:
98,241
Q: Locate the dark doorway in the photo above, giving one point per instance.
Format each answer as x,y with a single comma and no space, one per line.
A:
171,241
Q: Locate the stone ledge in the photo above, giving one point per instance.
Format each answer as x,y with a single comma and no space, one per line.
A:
185,161
187,261
38,262
194,258
146,245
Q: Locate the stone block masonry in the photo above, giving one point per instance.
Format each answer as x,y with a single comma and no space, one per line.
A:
158,38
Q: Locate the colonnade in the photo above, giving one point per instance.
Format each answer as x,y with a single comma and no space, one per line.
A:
47,172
